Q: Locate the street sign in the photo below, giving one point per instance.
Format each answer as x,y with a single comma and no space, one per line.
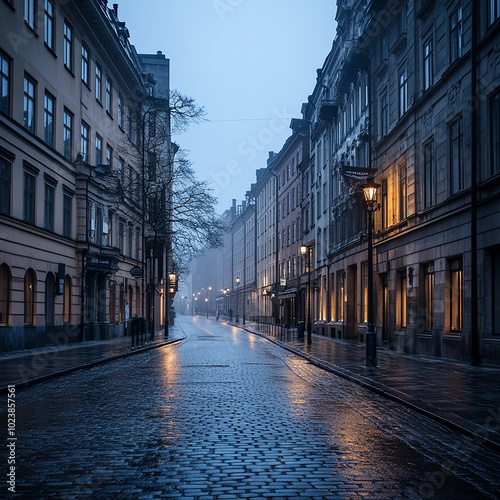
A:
136,272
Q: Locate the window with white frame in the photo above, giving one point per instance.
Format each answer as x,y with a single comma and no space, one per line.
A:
68,46
48,119
29,104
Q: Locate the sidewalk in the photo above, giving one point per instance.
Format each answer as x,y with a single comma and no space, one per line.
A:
463,397
29,367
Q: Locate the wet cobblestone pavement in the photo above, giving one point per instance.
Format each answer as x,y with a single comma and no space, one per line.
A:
226,415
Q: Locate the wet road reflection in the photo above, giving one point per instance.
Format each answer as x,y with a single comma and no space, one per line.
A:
227,414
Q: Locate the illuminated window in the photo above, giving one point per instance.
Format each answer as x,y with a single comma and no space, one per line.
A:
340,296
364,292
67,300
456,294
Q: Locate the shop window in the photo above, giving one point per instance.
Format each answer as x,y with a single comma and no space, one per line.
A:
455,291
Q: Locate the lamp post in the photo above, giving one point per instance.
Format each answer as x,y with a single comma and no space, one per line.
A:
304,250
370,192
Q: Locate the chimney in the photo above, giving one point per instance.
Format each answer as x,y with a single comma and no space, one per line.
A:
115,8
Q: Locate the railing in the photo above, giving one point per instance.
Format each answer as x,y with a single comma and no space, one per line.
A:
283,333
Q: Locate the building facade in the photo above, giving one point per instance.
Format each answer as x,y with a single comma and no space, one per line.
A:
71,171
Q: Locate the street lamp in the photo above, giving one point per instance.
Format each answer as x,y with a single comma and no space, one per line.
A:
304,250
370,192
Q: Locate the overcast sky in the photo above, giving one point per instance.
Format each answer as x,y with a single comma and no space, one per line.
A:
250,63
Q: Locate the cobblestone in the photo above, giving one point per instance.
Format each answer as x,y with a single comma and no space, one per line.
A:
226,414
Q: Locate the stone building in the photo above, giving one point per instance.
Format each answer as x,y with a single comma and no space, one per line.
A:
72,86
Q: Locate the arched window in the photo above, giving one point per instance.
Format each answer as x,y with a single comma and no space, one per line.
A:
112,302
4,295
67,299
29,297
50,288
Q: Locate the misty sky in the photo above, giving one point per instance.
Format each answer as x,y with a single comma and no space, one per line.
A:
250,63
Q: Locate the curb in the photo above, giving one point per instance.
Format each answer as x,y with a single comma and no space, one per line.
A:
85,366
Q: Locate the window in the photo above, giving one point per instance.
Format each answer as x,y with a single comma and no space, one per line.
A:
4,295
48,119
456,35
4,84
121,170
493,11
428,57
109,155
403,92
98,83
50,288
402,18
84,141
384,115
29,13
67,214
29,198
49,207
29,297
429,175
495,133
120,111
109,96
456,157
428,296
49,24
29,104
68,46
5,181
403,202
68,134
67,300
85,65
98,149
456,294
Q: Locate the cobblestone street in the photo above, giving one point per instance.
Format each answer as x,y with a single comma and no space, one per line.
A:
226,414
